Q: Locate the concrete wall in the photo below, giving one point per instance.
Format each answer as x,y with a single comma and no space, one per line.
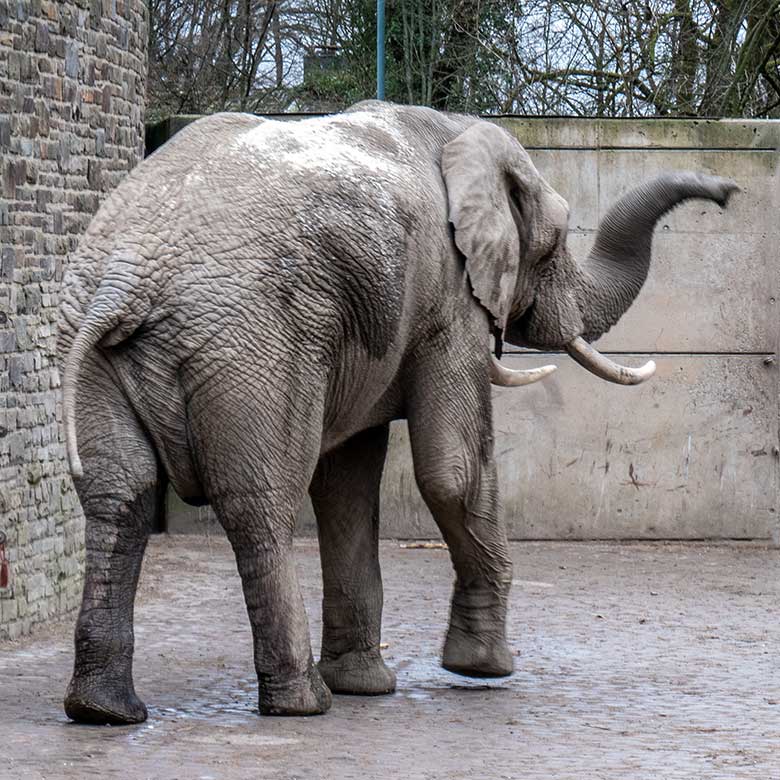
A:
71,125
691,454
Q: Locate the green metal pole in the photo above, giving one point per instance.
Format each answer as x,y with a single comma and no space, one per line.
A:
380,49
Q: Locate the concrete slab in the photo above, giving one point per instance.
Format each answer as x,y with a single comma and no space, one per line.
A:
714,280
708,315
649,134
574,174
689,455
706,293
751,211
634,662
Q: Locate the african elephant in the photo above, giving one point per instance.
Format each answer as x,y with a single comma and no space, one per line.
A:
250,309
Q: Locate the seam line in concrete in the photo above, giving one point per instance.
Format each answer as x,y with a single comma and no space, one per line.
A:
653,352
645,149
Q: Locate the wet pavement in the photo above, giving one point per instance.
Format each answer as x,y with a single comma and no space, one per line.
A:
633,661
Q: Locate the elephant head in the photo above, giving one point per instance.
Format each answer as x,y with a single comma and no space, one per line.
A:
511,227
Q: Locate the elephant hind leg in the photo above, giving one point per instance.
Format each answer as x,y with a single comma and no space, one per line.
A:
259,526
120,492
257,466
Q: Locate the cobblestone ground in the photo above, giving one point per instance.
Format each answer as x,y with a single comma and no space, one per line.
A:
634,661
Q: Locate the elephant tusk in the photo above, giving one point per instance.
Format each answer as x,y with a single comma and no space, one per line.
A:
603,367
506,377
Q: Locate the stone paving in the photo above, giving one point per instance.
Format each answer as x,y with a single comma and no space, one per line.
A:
633,661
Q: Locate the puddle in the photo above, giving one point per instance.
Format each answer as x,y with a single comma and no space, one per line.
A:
417,695
239,738
531,584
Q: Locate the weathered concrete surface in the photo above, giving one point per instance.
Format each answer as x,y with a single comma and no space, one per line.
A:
686,456
635,661
714,279
693,453
649,134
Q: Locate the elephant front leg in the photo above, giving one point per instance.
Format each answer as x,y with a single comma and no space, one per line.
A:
345,495
452,446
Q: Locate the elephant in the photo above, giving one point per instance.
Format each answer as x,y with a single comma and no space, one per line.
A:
246,314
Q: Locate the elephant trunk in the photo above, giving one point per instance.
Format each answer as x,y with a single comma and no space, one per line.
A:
616,268
579,301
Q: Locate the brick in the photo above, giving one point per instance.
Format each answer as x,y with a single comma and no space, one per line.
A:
72,59
42,37
7,264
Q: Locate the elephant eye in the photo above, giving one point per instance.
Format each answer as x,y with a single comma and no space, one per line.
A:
516,202
522,220
547,257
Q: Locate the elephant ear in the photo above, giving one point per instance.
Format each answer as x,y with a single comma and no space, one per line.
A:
492,191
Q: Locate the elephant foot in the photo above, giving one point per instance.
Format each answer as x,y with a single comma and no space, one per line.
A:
360,673
100,702
473,655
304,696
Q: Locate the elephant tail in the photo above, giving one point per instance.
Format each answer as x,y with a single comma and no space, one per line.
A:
114,312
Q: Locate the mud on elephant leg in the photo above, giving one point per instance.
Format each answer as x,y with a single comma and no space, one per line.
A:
120,494
455,471
345,494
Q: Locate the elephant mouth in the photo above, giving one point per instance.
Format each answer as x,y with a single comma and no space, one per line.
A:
580,351
584,354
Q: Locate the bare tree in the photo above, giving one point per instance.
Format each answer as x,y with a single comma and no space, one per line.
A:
582,57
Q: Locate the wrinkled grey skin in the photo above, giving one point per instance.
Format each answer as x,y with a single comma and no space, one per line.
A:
247,313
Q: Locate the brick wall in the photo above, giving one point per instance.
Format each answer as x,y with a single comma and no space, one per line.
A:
71,125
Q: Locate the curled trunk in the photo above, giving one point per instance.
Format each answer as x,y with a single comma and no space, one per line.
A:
616,268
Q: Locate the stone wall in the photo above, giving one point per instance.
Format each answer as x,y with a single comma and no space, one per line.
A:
72,76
